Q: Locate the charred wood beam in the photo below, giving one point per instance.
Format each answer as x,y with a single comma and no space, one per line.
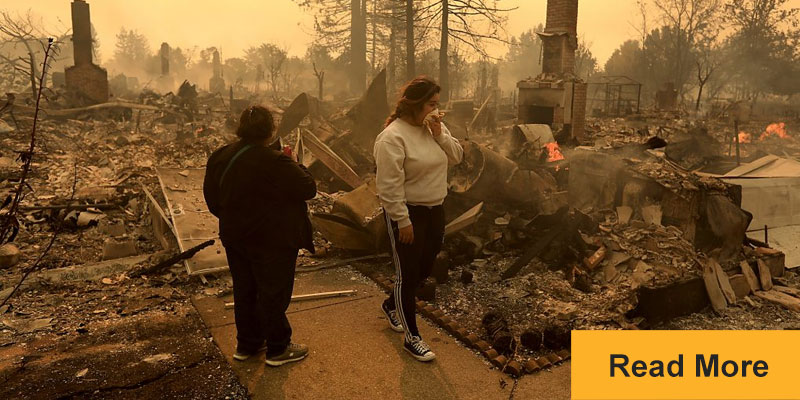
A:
324,154
70,207
174,259
563,227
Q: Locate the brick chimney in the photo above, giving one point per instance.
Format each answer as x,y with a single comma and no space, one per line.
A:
560,37
556,97
81,33
86,82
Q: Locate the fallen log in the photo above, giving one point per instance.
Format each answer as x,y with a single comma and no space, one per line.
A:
173,260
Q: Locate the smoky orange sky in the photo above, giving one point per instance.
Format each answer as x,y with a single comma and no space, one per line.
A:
235,25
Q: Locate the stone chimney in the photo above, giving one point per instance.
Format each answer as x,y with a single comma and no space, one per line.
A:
164,59
86,82
217,83
81,33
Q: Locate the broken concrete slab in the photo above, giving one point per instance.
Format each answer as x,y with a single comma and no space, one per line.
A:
111,228
113,248
764,275
740,286
724,282
785,300
749,277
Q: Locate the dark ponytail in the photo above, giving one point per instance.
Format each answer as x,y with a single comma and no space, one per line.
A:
255,123
414,94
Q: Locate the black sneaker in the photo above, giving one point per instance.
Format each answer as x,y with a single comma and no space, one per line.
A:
391,316
293,352
244,355
419,349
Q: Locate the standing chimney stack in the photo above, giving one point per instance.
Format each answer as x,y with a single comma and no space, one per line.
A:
81,33
86,82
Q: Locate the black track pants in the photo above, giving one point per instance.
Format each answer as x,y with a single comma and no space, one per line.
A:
414,262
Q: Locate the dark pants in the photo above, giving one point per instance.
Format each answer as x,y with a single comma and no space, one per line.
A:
414,262
263,280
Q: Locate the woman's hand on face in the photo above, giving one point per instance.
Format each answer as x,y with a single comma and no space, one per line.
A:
406,234
435,125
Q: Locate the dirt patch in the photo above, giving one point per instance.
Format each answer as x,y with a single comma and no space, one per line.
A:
152,355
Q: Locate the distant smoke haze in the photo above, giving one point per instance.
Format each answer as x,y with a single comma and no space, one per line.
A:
233,26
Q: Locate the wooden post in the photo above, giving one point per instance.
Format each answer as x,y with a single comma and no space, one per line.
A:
736,137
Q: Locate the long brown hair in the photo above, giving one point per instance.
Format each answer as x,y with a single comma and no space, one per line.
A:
414,94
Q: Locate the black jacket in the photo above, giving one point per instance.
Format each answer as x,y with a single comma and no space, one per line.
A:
261,201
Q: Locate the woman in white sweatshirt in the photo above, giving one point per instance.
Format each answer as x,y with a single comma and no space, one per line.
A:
412,155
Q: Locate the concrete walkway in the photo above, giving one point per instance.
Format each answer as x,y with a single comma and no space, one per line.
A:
354,355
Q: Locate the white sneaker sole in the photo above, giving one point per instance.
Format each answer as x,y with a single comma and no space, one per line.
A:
428,357
286,361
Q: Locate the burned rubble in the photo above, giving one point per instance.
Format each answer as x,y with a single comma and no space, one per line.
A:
556,220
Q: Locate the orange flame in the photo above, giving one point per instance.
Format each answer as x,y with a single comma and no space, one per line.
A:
553,152
776,129
745,137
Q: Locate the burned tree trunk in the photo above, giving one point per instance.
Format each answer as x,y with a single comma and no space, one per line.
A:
358,46
410,67
444,72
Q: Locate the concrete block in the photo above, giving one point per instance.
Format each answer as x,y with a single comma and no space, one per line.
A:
490,354
514,368
471,339
500,361
453,328
531,366
740,286
111,228
9,255
117,249
461,334
481,345
543,362
554,358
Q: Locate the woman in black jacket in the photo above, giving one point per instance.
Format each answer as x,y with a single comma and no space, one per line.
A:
259,196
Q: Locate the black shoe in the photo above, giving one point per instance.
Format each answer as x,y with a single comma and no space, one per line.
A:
391,315
419,349
244,355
